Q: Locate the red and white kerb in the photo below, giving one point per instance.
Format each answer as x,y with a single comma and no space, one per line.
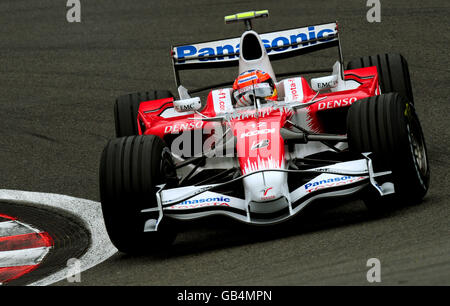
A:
22,248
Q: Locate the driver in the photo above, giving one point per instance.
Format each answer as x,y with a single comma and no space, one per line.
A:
251,84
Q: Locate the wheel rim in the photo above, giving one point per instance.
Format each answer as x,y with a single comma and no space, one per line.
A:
418,148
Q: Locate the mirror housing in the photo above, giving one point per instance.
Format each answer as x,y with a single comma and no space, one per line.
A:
187,105
324,82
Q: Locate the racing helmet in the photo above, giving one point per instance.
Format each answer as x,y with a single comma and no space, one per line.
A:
252,84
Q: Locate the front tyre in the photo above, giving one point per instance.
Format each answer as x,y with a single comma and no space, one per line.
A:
130,169
388,126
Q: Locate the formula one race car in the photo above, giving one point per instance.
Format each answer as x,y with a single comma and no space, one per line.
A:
261,148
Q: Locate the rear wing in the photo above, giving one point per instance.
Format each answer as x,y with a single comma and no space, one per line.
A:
279,45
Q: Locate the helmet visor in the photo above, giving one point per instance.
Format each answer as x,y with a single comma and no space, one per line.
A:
261,90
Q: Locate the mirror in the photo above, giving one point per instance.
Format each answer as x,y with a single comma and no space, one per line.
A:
187,105
324,82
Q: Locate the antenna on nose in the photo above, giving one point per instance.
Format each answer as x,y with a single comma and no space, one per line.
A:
246,17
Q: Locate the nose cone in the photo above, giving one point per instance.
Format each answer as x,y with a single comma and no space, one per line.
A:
265,186
260,150
266,191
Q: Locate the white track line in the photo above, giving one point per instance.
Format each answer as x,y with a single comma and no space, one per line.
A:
90,212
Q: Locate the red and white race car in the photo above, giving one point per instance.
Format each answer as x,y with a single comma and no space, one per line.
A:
291,141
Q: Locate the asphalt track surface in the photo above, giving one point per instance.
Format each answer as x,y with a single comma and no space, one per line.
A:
58,83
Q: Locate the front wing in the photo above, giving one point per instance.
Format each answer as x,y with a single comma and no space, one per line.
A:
192,202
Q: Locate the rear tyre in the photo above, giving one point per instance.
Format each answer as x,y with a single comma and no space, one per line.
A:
130,168
388,126
126,110
393,73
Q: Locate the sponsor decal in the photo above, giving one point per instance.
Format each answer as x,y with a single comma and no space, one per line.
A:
187,104
330,81
203,202
293,89
222,101
257,132
279,41
222,97
259,145
265,193
185,107
336,103
179,127
322,85
332,182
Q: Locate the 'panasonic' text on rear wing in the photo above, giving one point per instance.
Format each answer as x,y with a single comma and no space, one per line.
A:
276,43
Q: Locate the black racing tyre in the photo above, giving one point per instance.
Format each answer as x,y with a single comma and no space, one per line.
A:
130,168
126,110
393,73
388,126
